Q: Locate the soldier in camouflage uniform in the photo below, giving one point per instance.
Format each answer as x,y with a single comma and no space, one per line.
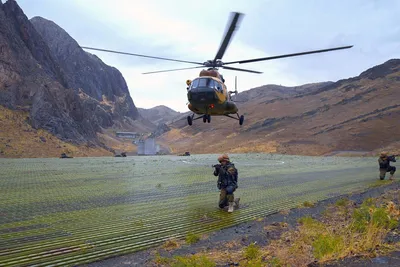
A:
384,165
227,182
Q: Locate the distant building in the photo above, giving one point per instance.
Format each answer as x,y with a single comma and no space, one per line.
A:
148,147
127,134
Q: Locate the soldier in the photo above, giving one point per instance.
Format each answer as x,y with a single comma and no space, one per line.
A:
227,182
384,165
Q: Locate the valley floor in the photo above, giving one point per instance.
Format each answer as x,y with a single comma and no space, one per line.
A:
247,244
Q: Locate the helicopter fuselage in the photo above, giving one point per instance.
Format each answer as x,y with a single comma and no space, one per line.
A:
209,95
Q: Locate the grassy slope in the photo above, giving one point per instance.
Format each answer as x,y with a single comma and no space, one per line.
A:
19,139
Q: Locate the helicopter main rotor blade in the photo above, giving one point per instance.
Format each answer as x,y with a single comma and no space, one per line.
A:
288,55
138,55
232,26
172,70
231,68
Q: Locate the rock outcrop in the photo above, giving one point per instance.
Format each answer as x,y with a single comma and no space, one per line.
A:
67,91
85,71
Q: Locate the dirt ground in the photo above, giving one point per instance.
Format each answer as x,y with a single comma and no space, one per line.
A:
254,232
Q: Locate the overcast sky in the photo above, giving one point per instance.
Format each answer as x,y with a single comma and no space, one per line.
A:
192,30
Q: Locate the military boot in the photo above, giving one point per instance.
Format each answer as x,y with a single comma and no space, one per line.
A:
237,202
230,209
391,177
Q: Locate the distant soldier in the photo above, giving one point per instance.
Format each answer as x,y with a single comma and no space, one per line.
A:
227,182
384,165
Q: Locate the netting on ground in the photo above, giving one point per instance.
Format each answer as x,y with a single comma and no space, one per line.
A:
64,212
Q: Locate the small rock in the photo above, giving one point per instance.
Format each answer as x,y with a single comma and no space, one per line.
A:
313,264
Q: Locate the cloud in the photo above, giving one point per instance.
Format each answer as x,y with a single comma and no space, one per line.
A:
181,30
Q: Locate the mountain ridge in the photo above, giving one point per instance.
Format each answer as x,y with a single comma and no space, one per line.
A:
160,114
349,114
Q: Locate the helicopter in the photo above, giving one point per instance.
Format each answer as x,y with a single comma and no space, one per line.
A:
207,94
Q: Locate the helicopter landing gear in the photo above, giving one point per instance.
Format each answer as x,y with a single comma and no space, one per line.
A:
206,118
239,118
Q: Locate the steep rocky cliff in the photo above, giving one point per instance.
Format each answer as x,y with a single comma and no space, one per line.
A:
65,90
86,71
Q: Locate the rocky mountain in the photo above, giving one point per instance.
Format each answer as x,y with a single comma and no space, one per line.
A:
160,114
273,91
356,114
64,90
83,70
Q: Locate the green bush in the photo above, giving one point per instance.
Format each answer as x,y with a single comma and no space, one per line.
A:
192,238
193,261
251,252
327,244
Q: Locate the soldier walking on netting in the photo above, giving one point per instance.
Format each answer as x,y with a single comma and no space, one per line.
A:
227,182
384,165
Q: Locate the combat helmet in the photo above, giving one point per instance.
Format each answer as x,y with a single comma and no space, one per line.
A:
223,157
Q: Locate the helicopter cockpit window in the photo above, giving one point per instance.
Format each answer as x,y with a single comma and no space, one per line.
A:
195,84
203,82
211,84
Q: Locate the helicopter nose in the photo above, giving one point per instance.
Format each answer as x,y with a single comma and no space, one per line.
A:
204,96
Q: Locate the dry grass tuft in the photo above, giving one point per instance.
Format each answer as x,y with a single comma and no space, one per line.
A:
172,244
